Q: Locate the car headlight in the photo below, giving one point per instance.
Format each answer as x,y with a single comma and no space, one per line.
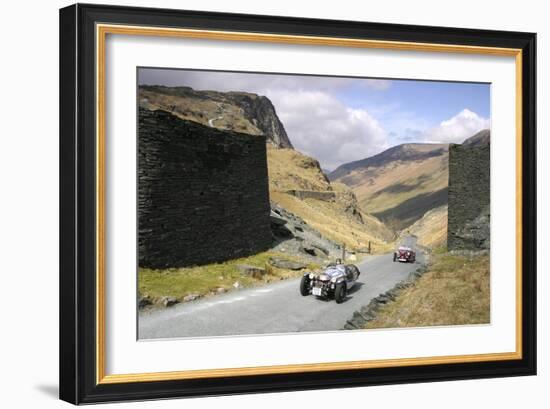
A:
311,276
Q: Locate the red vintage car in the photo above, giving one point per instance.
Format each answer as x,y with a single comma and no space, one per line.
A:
405,254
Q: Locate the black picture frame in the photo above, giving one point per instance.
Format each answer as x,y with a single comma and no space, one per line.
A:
78,318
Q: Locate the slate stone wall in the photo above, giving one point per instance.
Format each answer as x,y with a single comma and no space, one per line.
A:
202,193
469,198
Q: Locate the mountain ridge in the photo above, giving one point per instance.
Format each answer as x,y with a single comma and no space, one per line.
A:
405,151
400,184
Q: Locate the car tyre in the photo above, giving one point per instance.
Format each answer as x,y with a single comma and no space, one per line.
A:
340,293
304,286
394,257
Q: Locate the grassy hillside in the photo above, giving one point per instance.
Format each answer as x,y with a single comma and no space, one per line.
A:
340,219
401,184
289,169
454,291
431,229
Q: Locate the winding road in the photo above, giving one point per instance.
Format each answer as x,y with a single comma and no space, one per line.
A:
211,120
275,308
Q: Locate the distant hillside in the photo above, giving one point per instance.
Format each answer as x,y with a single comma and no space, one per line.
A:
330,208
235,111
401,184
431,229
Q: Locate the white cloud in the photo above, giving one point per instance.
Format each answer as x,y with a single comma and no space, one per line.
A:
317,123
321,126
458,128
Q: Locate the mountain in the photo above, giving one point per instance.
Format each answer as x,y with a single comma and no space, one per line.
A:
401,184
482,138
235,111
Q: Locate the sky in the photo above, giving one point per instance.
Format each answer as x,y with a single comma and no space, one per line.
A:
339,120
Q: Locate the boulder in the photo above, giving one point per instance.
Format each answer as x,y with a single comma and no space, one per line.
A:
308,249
252,271
286,264
190,297
144,301
280,230
321,248
277,220
169,301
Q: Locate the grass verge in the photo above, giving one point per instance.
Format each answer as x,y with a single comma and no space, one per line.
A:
454,291
212,278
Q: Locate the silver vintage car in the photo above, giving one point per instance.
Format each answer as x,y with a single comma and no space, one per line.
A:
334,282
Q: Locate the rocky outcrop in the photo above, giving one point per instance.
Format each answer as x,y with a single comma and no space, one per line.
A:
293,236
260,111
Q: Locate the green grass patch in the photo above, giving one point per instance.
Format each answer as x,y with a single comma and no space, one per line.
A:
208,279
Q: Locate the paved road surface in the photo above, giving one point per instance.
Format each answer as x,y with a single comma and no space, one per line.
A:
274,308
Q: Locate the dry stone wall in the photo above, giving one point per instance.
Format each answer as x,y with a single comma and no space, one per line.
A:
469,197
202,193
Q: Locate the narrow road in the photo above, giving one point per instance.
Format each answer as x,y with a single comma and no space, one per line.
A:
274,308
211,120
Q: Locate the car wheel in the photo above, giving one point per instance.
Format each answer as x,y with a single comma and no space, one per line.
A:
340,292
304,286
394,257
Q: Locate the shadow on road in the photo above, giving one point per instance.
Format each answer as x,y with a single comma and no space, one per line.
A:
356,287
353,290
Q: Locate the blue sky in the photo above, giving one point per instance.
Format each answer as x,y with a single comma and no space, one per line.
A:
422,103
338,120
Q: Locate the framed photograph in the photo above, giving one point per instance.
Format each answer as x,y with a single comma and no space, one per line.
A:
257,203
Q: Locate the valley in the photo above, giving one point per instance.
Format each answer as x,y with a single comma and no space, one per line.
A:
399,185
370,202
